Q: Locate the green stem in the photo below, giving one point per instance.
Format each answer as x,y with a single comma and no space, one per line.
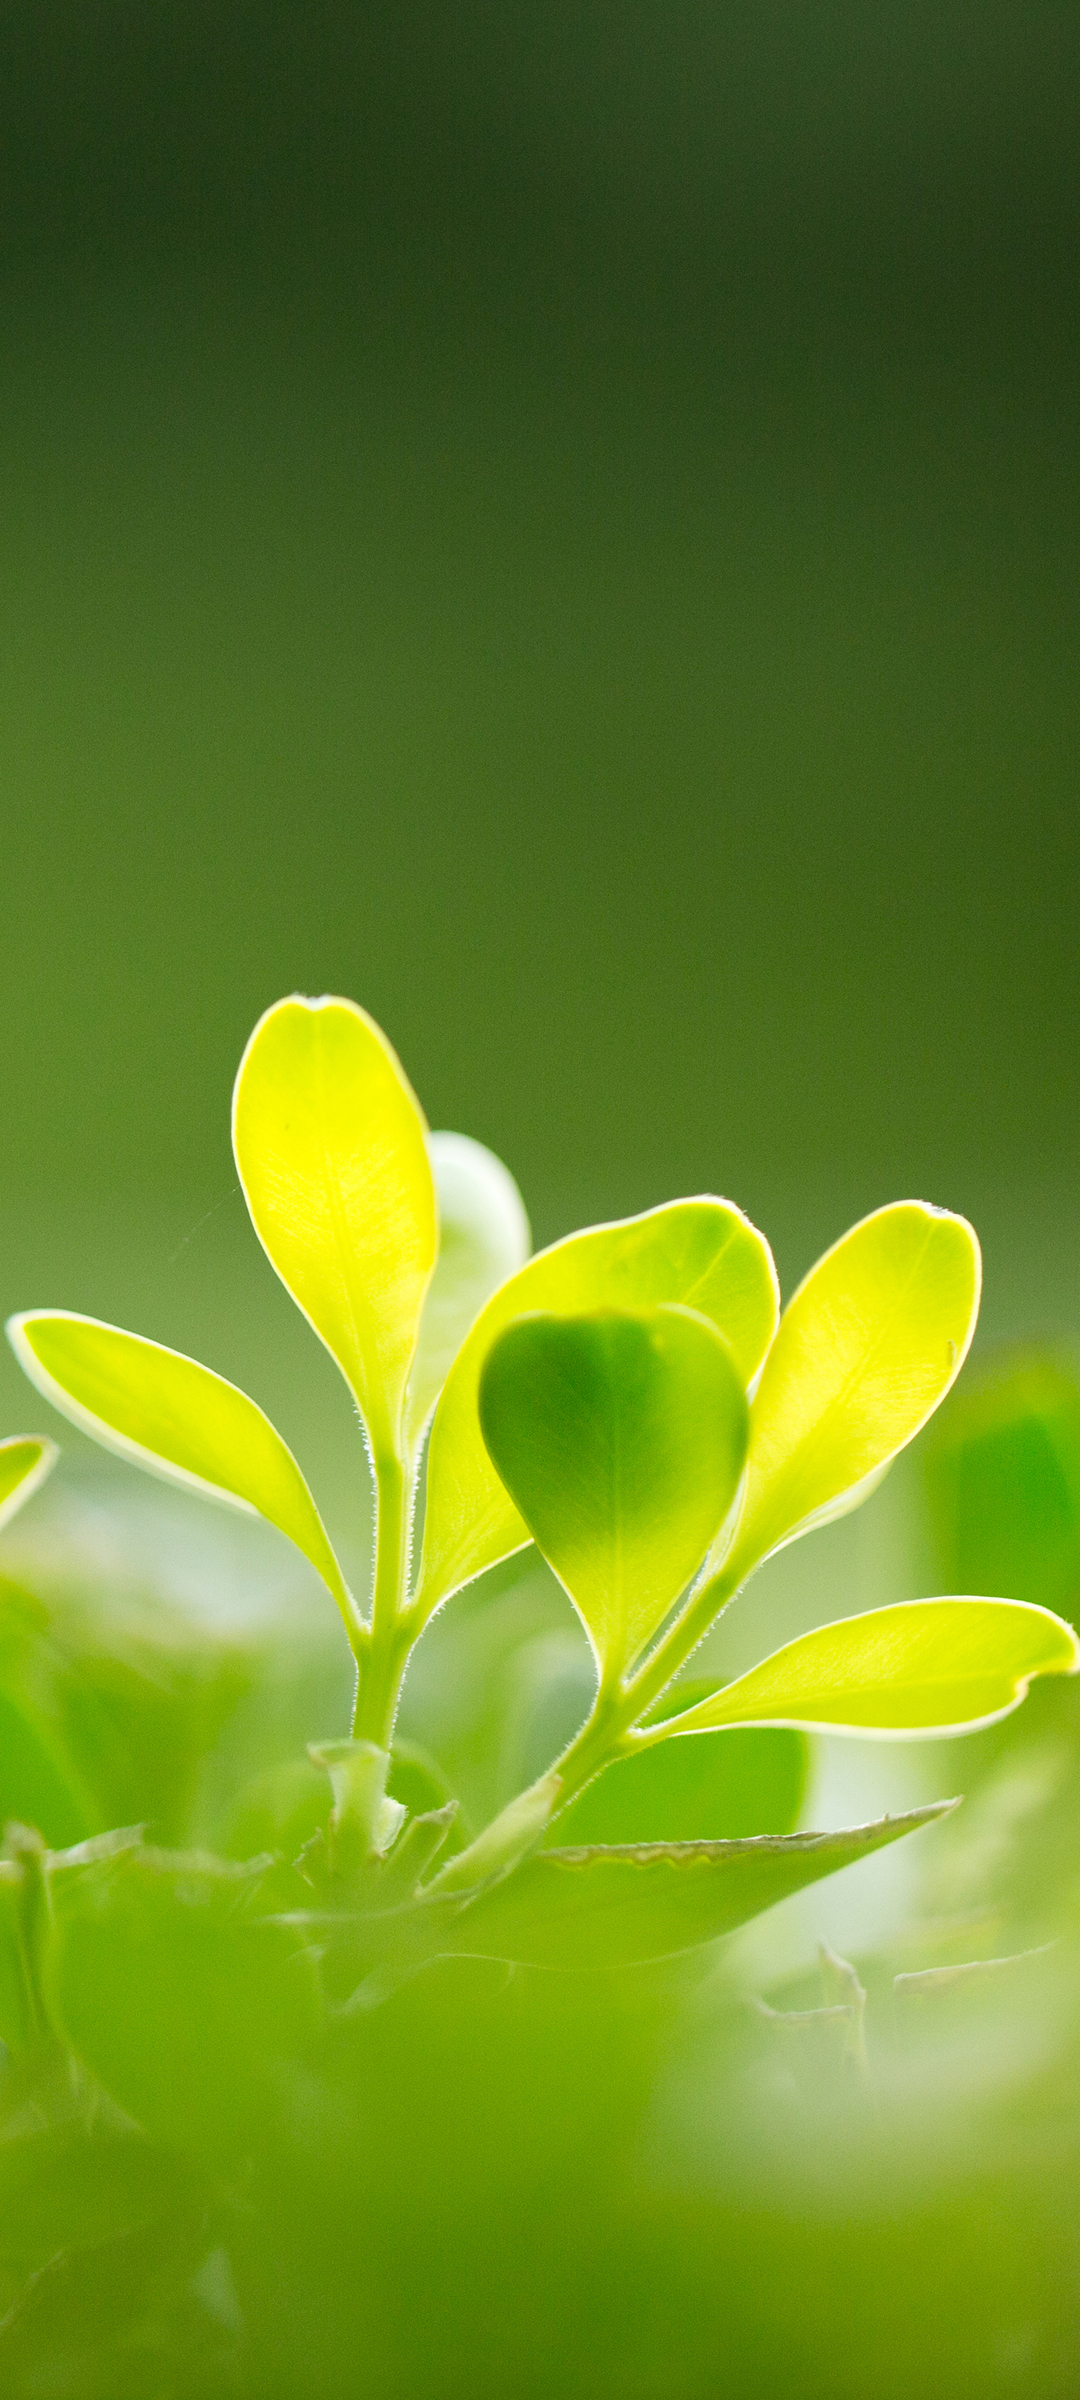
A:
681,1639
609,1730
386,1648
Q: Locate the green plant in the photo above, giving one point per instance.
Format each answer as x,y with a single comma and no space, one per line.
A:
250,2084
631,1401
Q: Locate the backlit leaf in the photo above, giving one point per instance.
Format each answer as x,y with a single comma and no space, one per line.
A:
924,1666
331,1152
703,1254
170,1414
590,1908
621,1439
867,1348
483,1237
25,1460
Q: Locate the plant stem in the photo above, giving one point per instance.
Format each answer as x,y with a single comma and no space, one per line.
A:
384,1653
609,1730
681,1639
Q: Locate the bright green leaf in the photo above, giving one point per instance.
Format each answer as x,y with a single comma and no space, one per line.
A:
483,1238
168,1413
331,1152
703,1254
925,1666
621,1439
867,1348
592,1908
25,1460
750,1780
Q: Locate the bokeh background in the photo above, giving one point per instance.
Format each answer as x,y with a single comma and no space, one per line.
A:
561,524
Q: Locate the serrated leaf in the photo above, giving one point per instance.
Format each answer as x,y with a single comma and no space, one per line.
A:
702,1254
621,1439
330,1148
185,2003
590,1908
865,1351
483,1238
750,1780
179,1419
25,1460
923,1666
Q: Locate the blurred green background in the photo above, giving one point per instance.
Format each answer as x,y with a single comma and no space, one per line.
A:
560,524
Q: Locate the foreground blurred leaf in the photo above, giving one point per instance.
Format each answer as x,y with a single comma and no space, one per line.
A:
752,1780
621,1439
483,1237
330,1148
188,2008
592,1908
168,1413
702,1254
67,2185
25,1460
39,1782
16,2006
924,1666
865,1351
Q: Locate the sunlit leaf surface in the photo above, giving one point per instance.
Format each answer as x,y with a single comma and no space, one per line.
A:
621,1438
25,1460
703,1254
868,1346
168,1413
331,1151
924,1666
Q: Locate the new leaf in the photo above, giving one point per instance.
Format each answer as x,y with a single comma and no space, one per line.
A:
867,1348
923,1666
621,1440
702,1254
25,1460
178,1418
330,1148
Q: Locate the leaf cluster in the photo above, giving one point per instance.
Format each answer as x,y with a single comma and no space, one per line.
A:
632,1402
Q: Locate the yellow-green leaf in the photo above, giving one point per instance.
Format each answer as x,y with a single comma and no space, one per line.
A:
25,1460
593,1908
867,1348
483,1237
621,1439
924,1666
331,1151
702,1254
170,1414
